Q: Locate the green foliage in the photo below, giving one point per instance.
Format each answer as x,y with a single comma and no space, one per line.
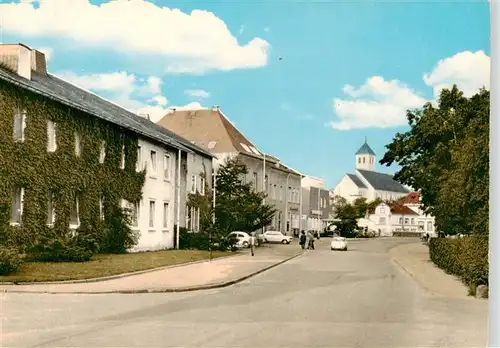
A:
204,203
445,155
465,257
192,240
63,175
118,236
237,206
10,260
348,215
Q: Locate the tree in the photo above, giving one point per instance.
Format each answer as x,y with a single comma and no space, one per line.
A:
347,214
444,155
238,207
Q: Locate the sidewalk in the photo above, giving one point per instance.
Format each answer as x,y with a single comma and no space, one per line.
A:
414,259
197,276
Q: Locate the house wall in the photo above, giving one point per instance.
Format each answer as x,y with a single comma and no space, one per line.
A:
347,189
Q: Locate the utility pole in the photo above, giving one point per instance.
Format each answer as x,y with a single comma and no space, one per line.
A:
214,188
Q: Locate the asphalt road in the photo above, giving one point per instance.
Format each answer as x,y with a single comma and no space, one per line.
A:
357,298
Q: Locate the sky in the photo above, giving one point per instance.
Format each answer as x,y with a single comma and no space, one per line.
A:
304,81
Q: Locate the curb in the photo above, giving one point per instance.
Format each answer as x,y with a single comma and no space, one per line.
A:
117,276
166,290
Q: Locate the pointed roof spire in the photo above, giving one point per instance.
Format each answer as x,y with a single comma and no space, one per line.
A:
365,149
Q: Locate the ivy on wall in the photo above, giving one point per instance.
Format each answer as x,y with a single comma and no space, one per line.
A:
62,173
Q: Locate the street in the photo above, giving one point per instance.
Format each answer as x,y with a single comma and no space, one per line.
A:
357,298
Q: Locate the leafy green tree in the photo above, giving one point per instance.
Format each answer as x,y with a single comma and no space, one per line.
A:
238,207
445,156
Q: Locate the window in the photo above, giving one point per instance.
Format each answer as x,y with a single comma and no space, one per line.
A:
165,215
74,218
152,159
19,125
122,158
400,220
135,210
152,207
51,136
166,167
193,183
138,163
289,196
281,193
359,159
407,221
78,144
17,206
101,208
429,225
266,180
102,154
381,221
51,214
382,210
274,191
255,180
364,159
412,221
202,186
211,145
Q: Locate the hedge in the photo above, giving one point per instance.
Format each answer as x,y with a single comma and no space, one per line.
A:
465,257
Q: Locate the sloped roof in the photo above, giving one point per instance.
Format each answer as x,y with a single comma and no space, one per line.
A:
68,94
356,180
365,149
382,181
209,125
402,210
411,198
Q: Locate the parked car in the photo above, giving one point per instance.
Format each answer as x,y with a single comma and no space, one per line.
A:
243,239
259,238
277,237
338,243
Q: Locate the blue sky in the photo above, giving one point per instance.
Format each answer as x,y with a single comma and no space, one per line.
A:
348,69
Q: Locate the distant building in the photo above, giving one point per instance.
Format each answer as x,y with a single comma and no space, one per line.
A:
367,182
315,204
402,217
210,129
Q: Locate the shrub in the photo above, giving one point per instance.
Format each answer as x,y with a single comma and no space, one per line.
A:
10,260
465,257
194,240
118,236
59,251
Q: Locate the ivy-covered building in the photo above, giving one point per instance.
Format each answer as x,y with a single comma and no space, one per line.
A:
69,159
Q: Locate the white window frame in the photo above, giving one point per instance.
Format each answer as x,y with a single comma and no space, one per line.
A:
138,163
102,152
19,121
202,186
136,209
101,208
51,210
51,136
20,210
166,166
382,220
152,213
154,165
122,158
193,184
78,144
77,207
166,215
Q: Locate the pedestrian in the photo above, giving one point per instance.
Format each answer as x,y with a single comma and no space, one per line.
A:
302,239
252,244
310,239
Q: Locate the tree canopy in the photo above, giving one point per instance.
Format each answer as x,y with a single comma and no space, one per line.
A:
347,214
445,156
238,207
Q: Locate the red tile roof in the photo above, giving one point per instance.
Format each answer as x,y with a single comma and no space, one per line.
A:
411,198
402,210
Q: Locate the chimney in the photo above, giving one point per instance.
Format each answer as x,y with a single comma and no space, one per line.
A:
16,58
38,62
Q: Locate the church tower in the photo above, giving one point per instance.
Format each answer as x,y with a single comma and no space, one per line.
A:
365,158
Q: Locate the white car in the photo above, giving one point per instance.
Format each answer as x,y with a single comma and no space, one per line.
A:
339,243
243,239
277,237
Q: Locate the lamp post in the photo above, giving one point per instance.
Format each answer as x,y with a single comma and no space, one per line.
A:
214,175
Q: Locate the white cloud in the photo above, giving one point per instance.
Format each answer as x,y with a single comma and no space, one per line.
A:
121,87
376,104
190,106
187,42
382,104
198,93
160,100
469,71
47,51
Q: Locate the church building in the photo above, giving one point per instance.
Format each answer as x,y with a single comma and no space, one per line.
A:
367,182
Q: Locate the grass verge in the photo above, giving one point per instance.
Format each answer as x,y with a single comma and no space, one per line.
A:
106,265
